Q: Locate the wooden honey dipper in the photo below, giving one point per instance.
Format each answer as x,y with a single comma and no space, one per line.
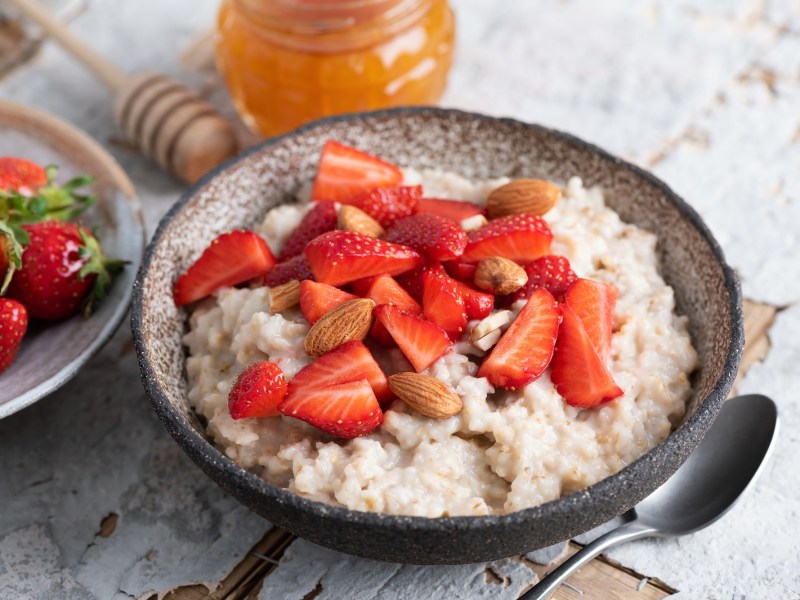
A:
167,122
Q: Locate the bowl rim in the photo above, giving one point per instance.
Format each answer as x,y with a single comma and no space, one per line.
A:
208,456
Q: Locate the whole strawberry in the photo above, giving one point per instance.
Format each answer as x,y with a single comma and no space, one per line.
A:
13,324
21,175
63,270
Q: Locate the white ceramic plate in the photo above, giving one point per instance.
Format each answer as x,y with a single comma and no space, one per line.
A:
52,353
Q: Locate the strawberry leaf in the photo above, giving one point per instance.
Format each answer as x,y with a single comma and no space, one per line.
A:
12,248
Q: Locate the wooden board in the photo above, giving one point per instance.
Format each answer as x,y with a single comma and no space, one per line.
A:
598,580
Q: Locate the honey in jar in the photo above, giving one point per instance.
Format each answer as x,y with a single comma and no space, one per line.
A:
287,62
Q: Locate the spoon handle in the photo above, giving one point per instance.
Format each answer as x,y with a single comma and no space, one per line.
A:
624,533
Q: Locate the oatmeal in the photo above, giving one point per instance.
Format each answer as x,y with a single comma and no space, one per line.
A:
506,450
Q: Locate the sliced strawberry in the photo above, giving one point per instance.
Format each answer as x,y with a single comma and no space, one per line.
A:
345,410
345,172
320,219
578,372
412,282
525,350
420,341
294,268
360,287
339,257
550,272
436,237
477,304
257,392
463,271
457,210
521,238
231,258
385,290
317,299
594,303
442,301
346,363
387,204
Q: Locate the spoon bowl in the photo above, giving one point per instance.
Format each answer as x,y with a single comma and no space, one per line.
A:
703,489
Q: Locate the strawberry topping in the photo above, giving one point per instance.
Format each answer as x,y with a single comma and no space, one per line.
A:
317,299
339,257
436,237
578,372
521,238
321,218
420,341
594,303
345,172
294,268
442,302
550,272
257,392
477,304
388,204
525,350
385,290
457,210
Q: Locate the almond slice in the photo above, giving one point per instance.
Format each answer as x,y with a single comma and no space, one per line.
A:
494,321
472,223
284,296
354,219
533,196
489,340
426,394
500,275
349,321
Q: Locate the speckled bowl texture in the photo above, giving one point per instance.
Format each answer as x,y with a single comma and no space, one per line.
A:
240,192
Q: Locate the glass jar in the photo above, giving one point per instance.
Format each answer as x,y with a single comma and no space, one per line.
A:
287,62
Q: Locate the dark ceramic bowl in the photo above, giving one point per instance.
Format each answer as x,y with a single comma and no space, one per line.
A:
238,193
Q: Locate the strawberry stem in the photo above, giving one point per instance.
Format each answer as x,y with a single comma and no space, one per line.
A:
97,263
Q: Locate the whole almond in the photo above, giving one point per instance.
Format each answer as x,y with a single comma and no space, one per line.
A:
426,394
533,196
284,296
355,219
500,275
349,321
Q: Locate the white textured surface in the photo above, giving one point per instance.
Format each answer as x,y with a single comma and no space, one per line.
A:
707,91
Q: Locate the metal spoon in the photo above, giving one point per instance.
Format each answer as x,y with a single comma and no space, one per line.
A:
705,487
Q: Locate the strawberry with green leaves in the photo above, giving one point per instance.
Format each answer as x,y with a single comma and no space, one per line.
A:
63,269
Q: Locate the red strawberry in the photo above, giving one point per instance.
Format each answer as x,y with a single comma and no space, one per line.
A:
436,237
360,287
463,271
346,363
13,324
257,392
294,268
230,259
521,238
594,303
550,272
345,172
442,301
339,257
63,268
457,210
421,341
22,176
386,290
477,304
525,350
578,372
317,221
317,299
388,204
412,282
346,410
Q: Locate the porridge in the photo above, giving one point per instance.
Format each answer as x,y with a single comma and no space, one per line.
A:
499,450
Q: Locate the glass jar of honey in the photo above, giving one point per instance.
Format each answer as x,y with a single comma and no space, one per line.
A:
287,62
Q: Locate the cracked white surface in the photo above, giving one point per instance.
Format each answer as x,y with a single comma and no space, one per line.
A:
710,88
